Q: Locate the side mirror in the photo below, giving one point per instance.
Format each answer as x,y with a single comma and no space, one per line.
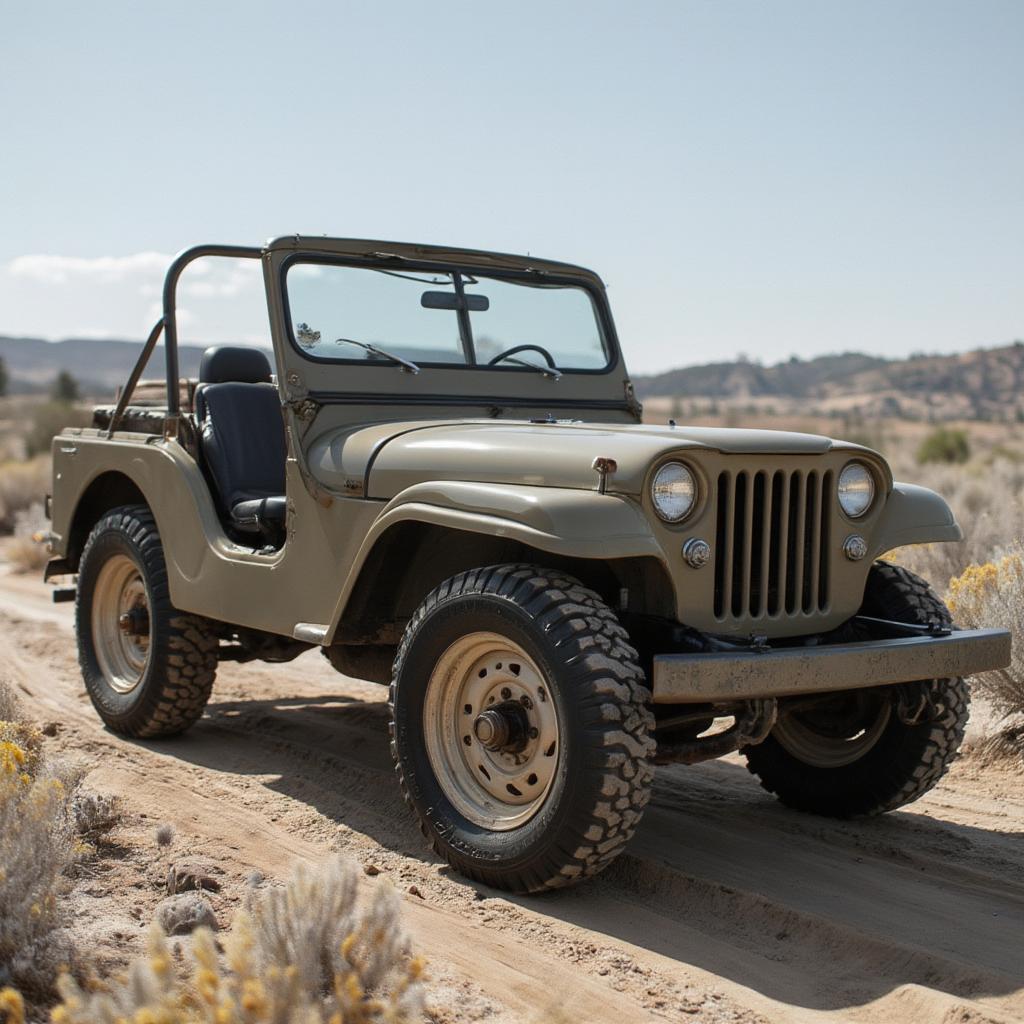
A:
452,301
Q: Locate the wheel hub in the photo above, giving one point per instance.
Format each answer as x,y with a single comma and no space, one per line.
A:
504,727
120,623
491,730
134,622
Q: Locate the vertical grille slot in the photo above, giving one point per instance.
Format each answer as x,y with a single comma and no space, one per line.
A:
771,543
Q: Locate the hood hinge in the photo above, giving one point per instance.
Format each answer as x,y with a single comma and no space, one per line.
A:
635,407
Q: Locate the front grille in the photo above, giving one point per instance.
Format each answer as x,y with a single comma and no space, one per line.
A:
772,543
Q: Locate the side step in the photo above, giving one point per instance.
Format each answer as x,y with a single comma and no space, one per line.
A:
61,595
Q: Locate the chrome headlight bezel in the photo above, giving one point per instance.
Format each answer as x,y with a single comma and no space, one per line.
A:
854,510
683,474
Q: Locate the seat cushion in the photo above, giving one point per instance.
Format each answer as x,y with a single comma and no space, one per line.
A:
234,364
259,514
242,438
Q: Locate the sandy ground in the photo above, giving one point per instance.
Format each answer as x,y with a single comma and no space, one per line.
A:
726,907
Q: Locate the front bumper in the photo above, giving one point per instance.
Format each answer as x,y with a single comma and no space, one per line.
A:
735,675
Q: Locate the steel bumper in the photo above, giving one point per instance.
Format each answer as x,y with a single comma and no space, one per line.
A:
722,676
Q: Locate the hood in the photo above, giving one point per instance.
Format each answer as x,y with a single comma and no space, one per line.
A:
382,459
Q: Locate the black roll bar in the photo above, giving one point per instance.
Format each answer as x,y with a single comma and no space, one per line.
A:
168,324
170,321
133,377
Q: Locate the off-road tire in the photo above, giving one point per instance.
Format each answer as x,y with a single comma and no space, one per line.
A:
605,769
907,760
182,662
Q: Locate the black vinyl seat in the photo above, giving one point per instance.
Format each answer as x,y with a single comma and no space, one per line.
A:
241,432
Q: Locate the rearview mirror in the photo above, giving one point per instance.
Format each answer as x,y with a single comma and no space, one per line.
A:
451,300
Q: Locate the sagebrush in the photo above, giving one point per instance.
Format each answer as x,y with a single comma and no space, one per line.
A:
37,845
991,595
302,954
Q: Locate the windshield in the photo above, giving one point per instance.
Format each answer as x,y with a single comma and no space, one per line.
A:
449,318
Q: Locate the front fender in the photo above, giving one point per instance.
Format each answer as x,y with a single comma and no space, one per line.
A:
564,521
914,515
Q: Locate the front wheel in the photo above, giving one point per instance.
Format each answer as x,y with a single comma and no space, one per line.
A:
521,731
865,752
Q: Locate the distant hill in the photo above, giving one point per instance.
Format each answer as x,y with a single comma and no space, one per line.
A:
98,366
986,384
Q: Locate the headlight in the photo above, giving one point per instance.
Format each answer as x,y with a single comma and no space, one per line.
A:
674,492
856,489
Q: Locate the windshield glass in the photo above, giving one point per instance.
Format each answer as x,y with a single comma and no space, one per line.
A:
446,318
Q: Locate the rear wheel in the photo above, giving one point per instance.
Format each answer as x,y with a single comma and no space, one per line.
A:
148,668
520,728
865,752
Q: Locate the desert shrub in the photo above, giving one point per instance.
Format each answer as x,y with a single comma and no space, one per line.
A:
37,845
945,444
94,814
304,954
22,485
10,706
27,551
49,419
988,500
992,595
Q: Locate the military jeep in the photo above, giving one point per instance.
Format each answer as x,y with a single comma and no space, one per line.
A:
438,475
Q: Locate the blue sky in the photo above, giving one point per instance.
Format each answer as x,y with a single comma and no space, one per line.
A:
767,178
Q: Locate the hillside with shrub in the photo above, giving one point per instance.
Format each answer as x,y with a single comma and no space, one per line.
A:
985,384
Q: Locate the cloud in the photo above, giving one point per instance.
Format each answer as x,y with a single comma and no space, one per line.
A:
50,295
51,269
210,278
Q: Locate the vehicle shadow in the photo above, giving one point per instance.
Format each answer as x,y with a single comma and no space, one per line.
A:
808,911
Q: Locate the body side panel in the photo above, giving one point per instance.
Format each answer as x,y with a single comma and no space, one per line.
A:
208,573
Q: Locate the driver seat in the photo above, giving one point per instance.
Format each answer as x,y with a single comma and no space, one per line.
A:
241,437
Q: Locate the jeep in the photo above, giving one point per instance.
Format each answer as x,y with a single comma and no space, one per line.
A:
438,474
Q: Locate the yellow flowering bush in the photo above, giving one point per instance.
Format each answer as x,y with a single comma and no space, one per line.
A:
37,845
35,848
992,595
304,954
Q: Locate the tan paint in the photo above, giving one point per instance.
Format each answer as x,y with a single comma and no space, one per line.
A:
450,447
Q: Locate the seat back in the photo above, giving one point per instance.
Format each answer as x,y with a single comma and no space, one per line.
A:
241,430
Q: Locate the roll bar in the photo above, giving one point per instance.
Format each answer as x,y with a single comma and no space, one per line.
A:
168,325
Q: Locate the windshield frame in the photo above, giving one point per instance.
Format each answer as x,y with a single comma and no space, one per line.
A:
598,301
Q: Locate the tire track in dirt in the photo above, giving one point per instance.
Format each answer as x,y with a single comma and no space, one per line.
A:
919,916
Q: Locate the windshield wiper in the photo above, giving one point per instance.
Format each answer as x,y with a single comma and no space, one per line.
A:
405,364
548,371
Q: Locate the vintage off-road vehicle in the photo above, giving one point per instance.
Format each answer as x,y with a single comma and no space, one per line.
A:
441,478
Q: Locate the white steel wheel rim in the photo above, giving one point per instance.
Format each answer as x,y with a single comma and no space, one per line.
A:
822,751
122,653
497,789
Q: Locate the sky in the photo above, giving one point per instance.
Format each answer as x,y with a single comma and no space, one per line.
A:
776,178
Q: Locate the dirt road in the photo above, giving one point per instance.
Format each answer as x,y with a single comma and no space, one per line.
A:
726,906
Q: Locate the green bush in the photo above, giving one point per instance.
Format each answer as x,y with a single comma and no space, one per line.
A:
946,444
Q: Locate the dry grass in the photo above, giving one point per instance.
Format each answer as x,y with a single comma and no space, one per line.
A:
302,954
27,550
22,485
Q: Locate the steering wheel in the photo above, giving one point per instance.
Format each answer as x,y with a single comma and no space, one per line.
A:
524,348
